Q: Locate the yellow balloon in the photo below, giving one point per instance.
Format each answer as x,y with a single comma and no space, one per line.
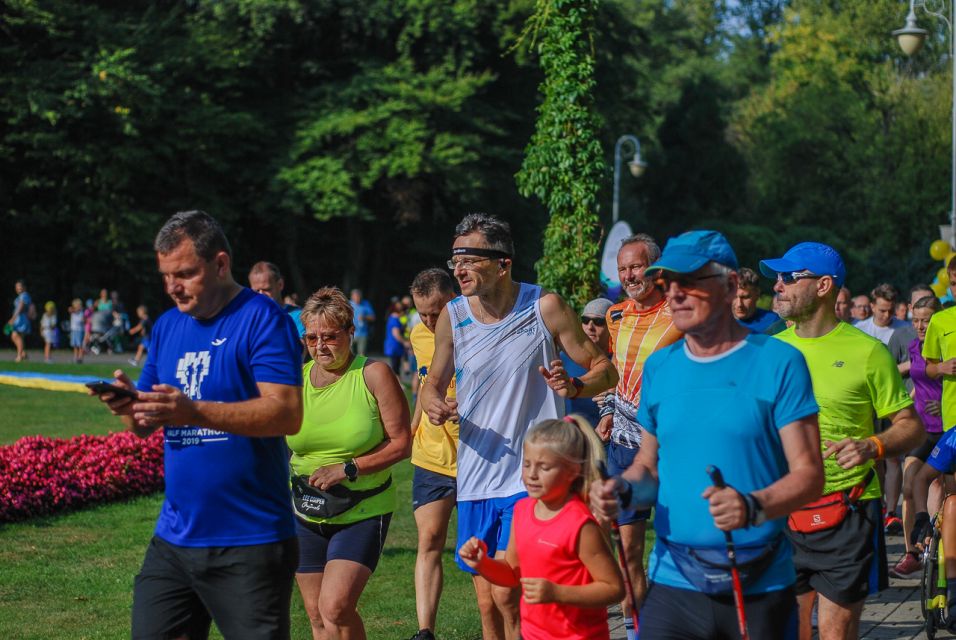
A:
943,277
939,289
939,249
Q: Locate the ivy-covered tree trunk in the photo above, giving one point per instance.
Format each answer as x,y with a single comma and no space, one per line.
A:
564,161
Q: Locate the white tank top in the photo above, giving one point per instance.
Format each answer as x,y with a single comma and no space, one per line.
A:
501,394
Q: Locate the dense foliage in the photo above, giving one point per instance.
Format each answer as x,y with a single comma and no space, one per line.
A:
563,164
343,140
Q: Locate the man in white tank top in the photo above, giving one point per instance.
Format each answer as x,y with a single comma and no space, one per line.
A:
501,340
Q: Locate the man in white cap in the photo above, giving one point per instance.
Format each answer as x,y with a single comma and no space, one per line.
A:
594,325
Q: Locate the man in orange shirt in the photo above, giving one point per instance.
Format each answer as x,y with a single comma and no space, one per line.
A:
639,326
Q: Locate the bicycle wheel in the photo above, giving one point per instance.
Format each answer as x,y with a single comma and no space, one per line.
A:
932,598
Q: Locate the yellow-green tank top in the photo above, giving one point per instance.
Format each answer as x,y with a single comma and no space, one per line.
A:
341,421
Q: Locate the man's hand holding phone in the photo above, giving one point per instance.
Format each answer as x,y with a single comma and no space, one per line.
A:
118,395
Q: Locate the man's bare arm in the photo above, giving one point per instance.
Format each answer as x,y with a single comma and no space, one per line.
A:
565,327
432,393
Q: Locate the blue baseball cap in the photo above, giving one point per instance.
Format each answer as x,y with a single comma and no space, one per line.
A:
815,257
691,250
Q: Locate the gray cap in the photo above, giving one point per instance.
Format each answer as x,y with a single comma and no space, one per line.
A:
597,308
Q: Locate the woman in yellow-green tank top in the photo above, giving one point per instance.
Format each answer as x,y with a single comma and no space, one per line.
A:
355,426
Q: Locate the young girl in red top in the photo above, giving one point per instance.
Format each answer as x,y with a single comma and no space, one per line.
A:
559,555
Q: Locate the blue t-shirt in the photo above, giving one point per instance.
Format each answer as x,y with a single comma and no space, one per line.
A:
943,458
360,311
723,411
223,489
393,346
763,321
586,407
296,314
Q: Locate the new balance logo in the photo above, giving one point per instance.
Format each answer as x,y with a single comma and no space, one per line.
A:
838,363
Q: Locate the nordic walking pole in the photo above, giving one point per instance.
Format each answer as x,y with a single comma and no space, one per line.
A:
718,481
621,555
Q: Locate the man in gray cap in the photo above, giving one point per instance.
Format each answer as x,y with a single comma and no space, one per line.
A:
840,557
728,398
638,326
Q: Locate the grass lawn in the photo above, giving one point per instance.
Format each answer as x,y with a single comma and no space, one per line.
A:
71,576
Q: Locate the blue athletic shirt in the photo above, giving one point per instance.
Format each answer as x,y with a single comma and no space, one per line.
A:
224,489
725,411
943,458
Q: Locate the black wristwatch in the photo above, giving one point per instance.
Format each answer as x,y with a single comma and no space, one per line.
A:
578,385
351,470
756,516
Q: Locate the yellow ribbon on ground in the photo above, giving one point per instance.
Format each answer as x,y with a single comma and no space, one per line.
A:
43,383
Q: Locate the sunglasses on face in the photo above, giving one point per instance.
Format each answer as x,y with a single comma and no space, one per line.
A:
683,281
469,264
333,337
789,277
598,322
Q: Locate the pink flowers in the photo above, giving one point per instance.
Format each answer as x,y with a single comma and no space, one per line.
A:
41,475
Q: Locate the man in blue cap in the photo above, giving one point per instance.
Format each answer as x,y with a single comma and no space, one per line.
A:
742,402
840,557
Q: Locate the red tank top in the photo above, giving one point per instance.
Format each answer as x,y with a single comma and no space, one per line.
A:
548,549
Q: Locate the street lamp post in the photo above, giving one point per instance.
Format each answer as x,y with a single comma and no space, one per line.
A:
636,166
911,39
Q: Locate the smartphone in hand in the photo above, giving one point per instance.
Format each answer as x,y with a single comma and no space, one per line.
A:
102,386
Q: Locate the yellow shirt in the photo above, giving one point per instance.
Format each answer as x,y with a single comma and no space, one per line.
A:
940,344
434,448
854,379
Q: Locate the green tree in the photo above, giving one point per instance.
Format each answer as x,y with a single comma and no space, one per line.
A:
563,165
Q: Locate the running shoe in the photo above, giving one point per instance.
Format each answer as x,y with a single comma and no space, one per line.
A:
892,525
423,634
908,567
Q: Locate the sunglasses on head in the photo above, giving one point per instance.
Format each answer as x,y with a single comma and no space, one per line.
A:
600,322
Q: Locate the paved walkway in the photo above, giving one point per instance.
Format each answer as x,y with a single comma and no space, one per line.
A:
894,613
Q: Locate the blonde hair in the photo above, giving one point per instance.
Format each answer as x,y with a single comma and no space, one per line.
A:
330,304
573,439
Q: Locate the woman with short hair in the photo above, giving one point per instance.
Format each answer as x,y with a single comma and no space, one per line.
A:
355,426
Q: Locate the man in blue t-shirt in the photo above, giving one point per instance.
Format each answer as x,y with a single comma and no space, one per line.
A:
364,316
739,401
745,305
223,379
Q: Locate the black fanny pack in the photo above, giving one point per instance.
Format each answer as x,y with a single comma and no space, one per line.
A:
708,569
314,502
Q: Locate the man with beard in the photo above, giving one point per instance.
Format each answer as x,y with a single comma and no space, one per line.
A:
638,327
854,380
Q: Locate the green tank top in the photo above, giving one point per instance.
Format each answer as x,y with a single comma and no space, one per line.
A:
341,421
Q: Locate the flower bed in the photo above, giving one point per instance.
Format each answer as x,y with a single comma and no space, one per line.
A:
39,475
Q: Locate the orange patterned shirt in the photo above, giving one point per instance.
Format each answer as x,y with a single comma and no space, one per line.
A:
635,335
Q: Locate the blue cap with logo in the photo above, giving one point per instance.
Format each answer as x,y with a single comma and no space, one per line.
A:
690,251
817,258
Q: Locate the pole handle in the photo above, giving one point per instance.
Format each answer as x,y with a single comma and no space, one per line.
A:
716,476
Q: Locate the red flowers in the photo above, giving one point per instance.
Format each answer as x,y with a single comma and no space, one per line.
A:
41,475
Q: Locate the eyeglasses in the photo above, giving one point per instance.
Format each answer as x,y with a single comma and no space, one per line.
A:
333,337
469,264
683,281
789,277
598,322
